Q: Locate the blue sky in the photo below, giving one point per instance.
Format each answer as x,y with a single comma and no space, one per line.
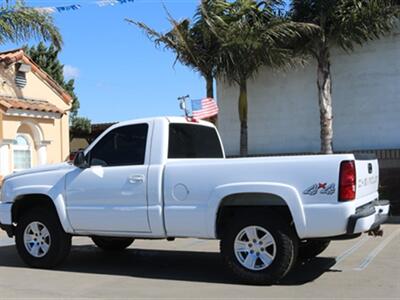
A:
119,73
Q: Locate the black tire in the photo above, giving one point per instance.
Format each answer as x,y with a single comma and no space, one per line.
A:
286,249
59,247
112,243
312,248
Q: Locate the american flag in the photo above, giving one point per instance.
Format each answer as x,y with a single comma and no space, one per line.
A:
203,109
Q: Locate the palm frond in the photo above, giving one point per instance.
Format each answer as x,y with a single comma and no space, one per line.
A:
357,22
155,36
191,42
22,23
254,34
347,23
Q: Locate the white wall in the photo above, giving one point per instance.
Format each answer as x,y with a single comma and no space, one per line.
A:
283,107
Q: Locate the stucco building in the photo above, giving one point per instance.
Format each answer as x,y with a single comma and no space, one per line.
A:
34,111
283,114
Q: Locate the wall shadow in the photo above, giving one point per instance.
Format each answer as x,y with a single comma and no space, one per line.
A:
164,264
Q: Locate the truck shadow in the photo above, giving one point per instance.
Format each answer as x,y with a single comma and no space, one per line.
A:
164,264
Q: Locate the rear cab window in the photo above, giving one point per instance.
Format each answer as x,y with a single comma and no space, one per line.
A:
193,141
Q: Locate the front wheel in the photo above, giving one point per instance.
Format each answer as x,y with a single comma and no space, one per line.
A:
259,249
40,239
112,243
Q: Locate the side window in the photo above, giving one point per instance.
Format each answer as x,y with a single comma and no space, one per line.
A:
122,146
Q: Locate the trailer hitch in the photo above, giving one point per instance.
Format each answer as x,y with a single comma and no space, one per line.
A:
376,232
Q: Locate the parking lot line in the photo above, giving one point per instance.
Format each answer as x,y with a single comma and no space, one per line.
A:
349,251
370,257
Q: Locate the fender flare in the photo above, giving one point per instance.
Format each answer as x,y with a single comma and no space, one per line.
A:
286,192
56,197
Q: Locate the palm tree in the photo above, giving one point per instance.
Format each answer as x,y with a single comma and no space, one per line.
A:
344,23
19,23
193,44
252,34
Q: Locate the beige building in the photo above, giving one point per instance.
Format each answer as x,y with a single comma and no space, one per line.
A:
34,111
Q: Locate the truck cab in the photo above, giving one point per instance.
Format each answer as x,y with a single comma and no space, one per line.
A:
125,165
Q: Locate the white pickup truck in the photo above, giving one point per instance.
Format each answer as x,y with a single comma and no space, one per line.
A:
166,178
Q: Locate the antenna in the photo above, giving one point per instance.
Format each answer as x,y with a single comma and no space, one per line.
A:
183,106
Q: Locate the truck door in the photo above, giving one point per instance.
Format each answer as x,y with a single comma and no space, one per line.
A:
110,195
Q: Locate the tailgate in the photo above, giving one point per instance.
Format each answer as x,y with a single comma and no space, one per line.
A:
367,174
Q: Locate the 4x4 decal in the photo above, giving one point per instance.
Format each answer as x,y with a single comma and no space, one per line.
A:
322,188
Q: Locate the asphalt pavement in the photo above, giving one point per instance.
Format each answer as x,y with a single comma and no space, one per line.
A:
363,268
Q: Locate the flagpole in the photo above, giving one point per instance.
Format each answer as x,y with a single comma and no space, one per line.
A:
183,105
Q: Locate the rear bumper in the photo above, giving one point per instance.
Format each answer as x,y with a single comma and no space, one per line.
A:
344,219
368,217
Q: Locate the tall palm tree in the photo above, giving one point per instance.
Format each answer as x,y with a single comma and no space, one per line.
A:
252,34
343,23
193,44
19,23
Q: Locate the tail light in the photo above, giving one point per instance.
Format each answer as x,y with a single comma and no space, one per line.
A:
347,181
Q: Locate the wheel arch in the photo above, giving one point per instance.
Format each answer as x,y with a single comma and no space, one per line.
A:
282,199
25,202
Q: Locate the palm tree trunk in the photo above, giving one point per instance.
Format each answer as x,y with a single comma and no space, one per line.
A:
324,83
243,117
210,86
210,94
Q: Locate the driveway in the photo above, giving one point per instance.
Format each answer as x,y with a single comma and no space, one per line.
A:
363,268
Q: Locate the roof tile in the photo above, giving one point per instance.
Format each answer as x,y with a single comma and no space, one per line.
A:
24,104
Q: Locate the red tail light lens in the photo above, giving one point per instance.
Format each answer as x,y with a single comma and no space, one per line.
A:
347,181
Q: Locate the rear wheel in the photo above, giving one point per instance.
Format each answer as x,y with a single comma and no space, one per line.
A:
112,243
40,239
312,248
259,249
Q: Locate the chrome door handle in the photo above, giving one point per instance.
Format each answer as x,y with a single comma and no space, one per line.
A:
136,179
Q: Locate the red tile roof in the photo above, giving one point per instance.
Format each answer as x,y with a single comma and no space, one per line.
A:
7,103
13,56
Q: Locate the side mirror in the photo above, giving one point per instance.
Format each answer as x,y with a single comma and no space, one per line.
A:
80,160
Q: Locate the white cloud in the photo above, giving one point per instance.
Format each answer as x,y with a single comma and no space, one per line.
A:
71,72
